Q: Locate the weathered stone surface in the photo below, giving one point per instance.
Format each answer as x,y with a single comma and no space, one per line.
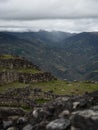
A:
58,124
12,128
38,77
1,124
73,128
7,124
35,113
87,119
5,112
81,102
75,104
28,127
41,114
17,62
60,104
63,114
9,74
22,120
8,77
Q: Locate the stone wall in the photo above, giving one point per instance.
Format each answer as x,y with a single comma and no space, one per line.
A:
38,77
62,113
17,63
8,77
11,76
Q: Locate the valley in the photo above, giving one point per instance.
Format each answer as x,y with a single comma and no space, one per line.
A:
66,55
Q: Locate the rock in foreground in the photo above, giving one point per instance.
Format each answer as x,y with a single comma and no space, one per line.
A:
63,113
58,124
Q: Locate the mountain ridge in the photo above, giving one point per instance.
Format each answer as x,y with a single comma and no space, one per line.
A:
66,55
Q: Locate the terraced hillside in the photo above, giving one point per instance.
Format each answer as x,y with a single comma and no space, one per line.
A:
21,70
24,84
17,75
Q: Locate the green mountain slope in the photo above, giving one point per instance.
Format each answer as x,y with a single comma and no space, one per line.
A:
67,56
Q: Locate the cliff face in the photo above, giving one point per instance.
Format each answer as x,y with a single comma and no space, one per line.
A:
21,70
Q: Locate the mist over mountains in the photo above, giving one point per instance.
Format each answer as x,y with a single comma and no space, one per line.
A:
67,55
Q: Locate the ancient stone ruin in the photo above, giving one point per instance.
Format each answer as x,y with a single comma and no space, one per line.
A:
16,62
30,108
8,77
9,72
62,113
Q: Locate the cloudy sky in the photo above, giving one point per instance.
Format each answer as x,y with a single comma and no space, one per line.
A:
62,15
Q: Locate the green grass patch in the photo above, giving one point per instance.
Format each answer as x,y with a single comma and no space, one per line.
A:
5,87
58,87
7,57
96,71
41,100
2,69
28,70
21,70
63,87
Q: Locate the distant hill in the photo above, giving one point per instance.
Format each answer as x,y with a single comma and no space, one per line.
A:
82,53
66,55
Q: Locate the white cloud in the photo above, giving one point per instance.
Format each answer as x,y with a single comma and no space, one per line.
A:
48,9
68,25
64,15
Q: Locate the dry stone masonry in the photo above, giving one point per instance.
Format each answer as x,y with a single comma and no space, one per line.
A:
17,62
38,77
21,108
9,74
8,77
59,114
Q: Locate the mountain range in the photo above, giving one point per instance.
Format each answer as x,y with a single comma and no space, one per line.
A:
72,56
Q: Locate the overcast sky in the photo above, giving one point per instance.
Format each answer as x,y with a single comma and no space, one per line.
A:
62,15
